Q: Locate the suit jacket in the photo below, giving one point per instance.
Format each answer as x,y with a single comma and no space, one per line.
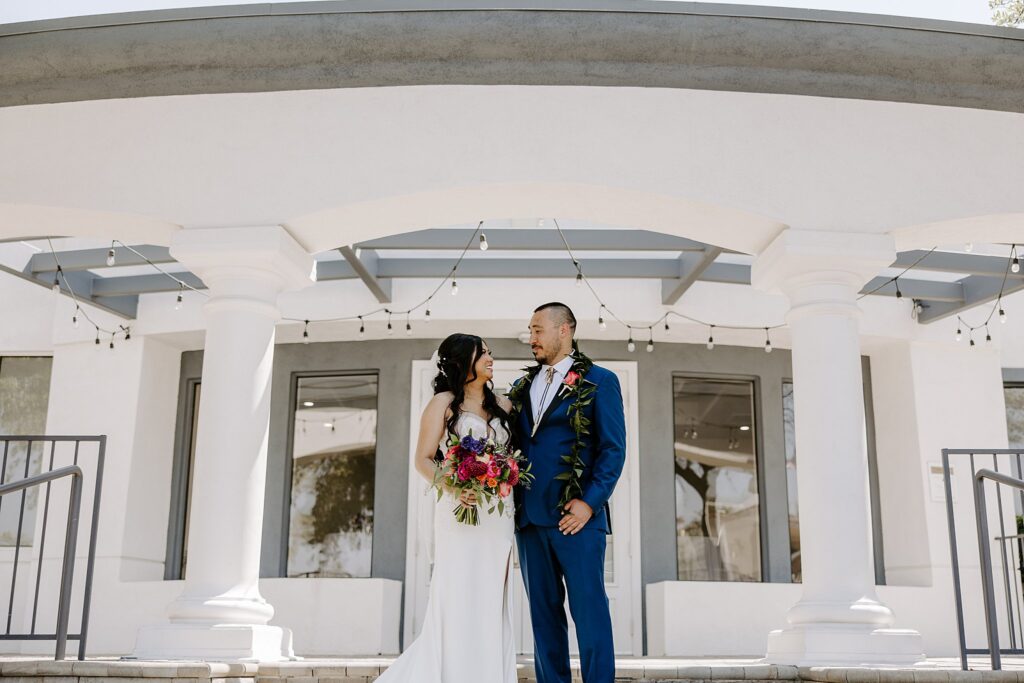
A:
603,458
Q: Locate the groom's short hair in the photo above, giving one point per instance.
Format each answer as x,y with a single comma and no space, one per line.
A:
560,312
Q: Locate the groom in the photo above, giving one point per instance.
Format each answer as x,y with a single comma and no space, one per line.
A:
570,426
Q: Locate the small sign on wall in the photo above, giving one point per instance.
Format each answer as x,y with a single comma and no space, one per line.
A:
937,483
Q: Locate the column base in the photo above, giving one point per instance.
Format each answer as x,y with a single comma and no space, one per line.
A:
844,645
215,642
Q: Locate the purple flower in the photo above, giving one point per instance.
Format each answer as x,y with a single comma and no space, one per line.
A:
475,446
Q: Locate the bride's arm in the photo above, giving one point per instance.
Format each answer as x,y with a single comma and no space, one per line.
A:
432,427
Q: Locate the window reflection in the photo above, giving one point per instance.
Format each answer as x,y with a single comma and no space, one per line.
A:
24,397
717,508
789,436
333,455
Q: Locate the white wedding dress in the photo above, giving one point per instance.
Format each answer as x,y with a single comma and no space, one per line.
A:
467,632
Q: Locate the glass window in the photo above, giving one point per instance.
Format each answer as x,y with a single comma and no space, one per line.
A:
1014,394
718,517
333,454
24,397
789,435
193,430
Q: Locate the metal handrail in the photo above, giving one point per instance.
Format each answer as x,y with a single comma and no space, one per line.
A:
70,541
987,587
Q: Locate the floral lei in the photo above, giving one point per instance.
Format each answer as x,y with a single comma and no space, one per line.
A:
577,385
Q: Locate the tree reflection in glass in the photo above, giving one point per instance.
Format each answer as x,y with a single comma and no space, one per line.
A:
333,455
717,512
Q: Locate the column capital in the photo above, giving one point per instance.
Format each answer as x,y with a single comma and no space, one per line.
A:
797,258
267,254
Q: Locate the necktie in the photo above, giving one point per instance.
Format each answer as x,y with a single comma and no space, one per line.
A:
549,378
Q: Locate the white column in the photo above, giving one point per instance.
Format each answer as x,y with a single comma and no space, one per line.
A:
221,614
839,619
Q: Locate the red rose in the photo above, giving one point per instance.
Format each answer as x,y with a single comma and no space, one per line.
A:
571,378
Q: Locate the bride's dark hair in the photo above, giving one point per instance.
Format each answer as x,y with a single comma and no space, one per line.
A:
457,356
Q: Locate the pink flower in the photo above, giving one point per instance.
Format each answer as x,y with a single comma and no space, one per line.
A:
513,466
493,470
571,378
504,488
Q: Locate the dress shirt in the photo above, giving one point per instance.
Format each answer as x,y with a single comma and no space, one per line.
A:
539,401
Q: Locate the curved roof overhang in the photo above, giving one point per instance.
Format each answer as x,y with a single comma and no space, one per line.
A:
637,43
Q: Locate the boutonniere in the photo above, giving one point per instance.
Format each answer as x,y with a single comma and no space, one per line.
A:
570,383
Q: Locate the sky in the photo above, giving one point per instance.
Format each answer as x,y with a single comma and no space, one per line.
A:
975,11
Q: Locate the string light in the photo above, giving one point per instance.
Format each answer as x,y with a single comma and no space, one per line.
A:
56,280
600,319
455,288
483,242
426,318
111,258
650,342
969,247
631,345
767,341
408,326
711,337
362,328
305,333
579,279
74,317
179,300
111,341
390,329
997,305
896,281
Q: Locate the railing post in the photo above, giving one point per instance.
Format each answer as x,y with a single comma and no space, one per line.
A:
68,570
988,590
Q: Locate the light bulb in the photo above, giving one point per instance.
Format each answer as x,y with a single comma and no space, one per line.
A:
110,257
631,345
650,346
408,330
602,324
305,336
959,334
579,279
97,337
455,287
74,319
483,242
988,335
972,342
178,302
711,343
667,331
969,247
56,285
362,331
1002,316
427,318
768,346
390,329
1015,265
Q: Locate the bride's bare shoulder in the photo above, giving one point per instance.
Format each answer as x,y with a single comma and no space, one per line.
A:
504,402
440,403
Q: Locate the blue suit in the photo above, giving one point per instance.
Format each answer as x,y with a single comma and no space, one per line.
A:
552,563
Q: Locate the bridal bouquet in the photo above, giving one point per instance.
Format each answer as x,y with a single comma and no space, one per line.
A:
487,469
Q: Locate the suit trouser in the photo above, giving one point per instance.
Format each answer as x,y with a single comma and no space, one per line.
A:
546,558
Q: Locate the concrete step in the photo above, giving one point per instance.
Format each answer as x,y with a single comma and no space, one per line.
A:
366,670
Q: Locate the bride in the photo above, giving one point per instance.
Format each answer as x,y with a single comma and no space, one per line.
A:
467,632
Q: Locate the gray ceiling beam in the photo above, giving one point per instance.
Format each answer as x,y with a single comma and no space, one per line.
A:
946,262
691,265
537,239
978,290
88,259
83,284
141,284
365,265
925,290
528,268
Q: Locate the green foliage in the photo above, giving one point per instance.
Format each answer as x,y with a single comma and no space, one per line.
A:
1007,12
344,493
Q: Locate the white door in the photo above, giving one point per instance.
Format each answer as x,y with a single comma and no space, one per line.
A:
622,562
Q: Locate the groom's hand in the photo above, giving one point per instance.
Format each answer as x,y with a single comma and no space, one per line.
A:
576,515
